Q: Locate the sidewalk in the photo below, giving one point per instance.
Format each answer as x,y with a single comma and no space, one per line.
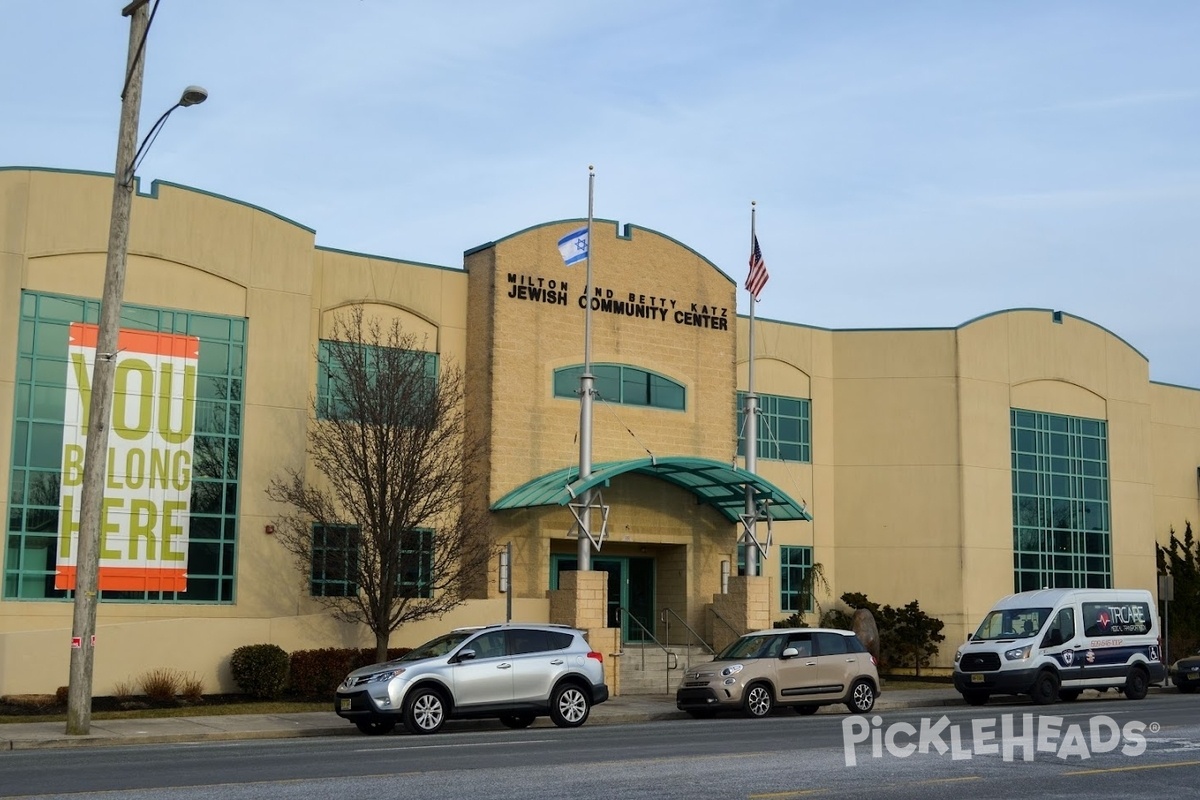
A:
618,710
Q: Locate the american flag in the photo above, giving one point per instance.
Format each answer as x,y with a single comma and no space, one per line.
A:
757,278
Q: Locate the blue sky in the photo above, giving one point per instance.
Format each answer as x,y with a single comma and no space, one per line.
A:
915,164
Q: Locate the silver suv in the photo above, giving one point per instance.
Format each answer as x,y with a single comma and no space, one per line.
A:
804,668
513,672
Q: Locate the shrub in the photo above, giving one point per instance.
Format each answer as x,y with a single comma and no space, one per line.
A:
260,670
161,684
908,637
314,673
123,690
60,695
192,687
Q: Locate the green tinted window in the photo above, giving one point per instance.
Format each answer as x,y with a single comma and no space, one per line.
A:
333,379
784,429
1061,514
41,380
618,383
795,589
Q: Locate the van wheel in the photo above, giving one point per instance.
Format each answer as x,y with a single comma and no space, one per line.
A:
376,726
1068,695
1045,688
569,706
1137,684
976,698
862,697
758,701
424,711
806,711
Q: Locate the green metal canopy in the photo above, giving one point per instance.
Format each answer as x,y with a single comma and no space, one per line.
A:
718,484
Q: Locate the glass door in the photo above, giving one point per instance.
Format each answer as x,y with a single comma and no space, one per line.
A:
630,586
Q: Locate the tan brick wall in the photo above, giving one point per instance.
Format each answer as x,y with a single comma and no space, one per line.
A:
580,599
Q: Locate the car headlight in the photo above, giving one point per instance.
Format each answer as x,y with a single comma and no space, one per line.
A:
957,656
380,677
1018,653
731,670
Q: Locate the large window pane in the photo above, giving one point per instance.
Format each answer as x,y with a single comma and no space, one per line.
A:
1063,475
622,384
783,428
40,391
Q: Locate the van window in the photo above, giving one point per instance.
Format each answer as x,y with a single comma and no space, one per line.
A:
1061,630
1116,619
1012,623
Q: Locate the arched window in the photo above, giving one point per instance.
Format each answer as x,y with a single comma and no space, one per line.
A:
619,383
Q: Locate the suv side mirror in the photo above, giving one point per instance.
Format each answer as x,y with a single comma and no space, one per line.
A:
464,655
789,652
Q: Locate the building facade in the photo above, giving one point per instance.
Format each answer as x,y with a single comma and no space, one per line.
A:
1026,448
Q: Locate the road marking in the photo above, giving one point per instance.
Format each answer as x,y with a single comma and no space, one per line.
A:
1133,769
449,746
805,792
943,780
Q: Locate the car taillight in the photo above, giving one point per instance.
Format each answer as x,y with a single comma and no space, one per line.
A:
596,655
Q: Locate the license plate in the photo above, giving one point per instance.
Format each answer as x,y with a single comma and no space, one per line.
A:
976,678
1194,676
343,703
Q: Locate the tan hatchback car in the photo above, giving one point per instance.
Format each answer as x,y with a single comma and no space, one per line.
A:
804,668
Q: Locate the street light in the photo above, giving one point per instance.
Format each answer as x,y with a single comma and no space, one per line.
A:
192,96
87,556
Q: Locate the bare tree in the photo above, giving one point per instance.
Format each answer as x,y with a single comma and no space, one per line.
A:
388,514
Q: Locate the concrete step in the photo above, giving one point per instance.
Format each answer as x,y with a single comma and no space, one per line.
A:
648,669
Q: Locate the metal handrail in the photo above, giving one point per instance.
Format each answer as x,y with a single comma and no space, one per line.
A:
665,617
672,659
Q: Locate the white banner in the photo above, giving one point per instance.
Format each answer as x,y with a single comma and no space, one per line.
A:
148,471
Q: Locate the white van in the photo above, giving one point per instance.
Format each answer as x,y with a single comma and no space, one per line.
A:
1054,643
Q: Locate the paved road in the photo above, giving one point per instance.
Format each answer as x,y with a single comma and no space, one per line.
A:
1074,750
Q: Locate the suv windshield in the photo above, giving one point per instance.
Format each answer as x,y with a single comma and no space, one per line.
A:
753,647
1011,623
437,647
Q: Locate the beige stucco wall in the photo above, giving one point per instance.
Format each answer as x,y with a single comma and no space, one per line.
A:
909,485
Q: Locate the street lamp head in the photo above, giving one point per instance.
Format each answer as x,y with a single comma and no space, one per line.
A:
193,96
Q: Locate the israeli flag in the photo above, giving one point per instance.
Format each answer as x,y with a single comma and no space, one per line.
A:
574,246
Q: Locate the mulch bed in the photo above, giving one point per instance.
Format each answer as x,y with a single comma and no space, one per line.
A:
34,705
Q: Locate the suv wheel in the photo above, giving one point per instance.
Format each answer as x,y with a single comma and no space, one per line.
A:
517,720
424,711
569,706
376,726
758,701
862,697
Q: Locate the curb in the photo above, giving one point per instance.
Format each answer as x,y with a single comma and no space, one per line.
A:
658,712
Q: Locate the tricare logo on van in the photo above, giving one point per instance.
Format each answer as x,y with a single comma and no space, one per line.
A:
1009,736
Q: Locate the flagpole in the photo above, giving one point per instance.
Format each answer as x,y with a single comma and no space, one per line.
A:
586,382
751,423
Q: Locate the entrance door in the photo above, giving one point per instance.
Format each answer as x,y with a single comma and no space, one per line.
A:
630,586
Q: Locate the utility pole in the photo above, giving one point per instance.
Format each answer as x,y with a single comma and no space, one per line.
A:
83,628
